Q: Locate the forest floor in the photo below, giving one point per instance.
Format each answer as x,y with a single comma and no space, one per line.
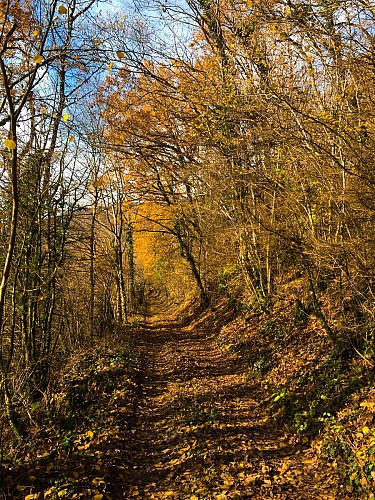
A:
172,414
202,431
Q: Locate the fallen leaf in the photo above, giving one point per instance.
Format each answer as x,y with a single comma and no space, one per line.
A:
363,481
97,481
367,404
251,479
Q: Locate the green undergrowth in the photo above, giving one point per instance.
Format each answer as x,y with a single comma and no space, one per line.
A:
347,444
306,401
85,418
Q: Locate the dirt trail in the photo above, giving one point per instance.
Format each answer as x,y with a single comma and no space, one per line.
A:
200,431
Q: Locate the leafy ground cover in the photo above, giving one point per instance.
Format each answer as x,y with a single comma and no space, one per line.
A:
224,407
77,447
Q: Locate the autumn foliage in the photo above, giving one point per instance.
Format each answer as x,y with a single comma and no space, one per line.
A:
225,155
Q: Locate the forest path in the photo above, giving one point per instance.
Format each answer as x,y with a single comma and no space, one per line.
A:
201,433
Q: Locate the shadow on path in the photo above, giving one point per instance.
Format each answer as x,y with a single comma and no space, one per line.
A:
200,432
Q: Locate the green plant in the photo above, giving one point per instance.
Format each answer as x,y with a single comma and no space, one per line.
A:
277,396
197,411
261,365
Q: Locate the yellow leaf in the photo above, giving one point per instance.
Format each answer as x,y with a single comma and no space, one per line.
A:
367,404
83,447
99,496
227,485
89,434
32,497
110,66
35,33
66,117
97,481
44,110
120,54
62,9
169,493
366,430
194,497
9,144
249,4
38,59
71,139
61,493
